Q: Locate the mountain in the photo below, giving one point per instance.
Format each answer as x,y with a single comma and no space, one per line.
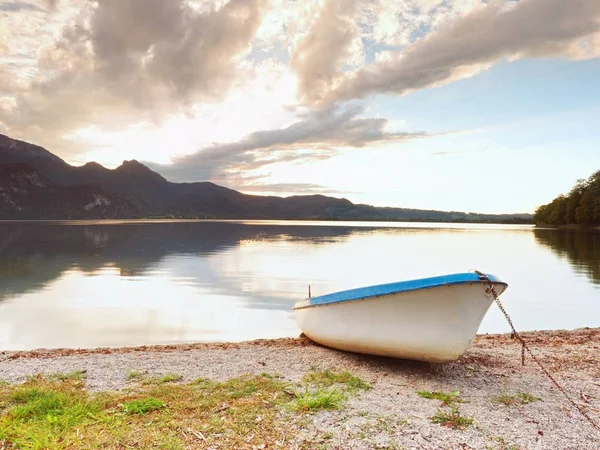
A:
36,184
26,194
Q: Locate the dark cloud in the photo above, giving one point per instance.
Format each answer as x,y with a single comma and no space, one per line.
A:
318,135
469,44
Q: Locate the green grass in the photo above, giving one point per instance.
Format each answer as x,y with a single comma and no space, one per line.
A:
447,399
135,374
38,412
75,375
170,444
201,382
270,375
451,419
239,387
520,398
329,378
143,406
319,400
47,413
162,379
55,412
332,389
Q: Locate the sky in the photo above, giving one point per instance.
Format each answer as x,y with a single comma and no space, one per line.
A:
465,105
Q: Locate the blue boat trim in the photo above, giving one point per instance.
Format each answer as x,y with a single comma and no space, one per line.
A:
396,288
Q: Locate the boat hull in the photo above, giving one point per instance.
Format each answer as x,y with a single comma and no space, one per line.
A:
437,324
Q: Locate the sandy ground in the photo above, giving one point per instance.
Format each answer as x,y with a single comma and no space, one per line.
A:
391,415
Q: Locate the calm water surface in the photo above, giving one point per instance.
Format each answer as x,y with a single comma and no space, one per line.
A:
88,284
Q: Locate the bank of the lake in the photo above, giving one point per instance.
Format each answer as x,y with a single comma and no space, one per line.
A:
570,226
511,406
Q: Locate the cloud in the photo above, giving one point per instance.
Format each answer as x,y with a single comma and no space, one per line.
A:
120,62
295,188
165,43
18,6
471,43
102,78
327,44
317,135
458,152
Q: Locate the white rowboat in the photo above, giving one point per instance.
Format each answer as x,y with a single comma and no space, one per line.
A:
431,319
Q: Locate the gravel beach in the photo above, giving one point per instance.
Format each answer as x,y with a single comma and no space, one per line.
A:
391,415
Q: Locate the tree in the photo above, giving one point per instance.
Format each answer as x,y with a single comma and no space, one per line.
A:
558,211
585,210
541,214
573,200
581,205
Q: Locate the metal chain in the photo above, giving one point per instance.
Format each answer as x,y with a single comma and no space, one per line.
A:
491,290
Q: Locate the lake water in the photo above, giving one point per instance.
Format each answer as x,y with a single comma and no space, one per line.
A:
89,284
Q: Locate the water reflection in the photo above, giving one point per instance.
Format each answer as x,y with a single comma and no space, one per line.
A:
88,284
142,283
580,248
34,254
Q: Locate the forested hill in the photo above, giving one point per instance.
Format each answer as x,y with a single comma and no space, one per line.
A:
581,206
36,184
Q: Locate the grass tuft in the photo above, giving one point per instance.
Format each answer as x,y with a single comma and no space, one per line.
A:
446,399
143,406
520,398
135,374
318,400
162,379
75,375
329,378
38,411
170,444
526,397
202,382
452,419
239,387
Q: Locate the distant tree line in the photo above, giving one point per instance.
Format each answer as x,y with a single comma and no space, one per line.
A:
580,206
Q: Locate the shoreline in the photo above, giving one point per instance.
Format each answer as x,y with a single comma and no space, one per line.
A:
570,227
546,337
116,221
389,414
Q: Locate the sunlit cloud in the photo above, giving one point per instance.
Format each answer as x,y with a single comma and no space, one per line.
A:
18,6
467,45
232,90
319,54
318,135
117,63
296,188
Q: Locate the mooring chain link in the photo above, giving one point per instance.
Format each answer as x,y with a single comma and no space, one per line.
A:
491,290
